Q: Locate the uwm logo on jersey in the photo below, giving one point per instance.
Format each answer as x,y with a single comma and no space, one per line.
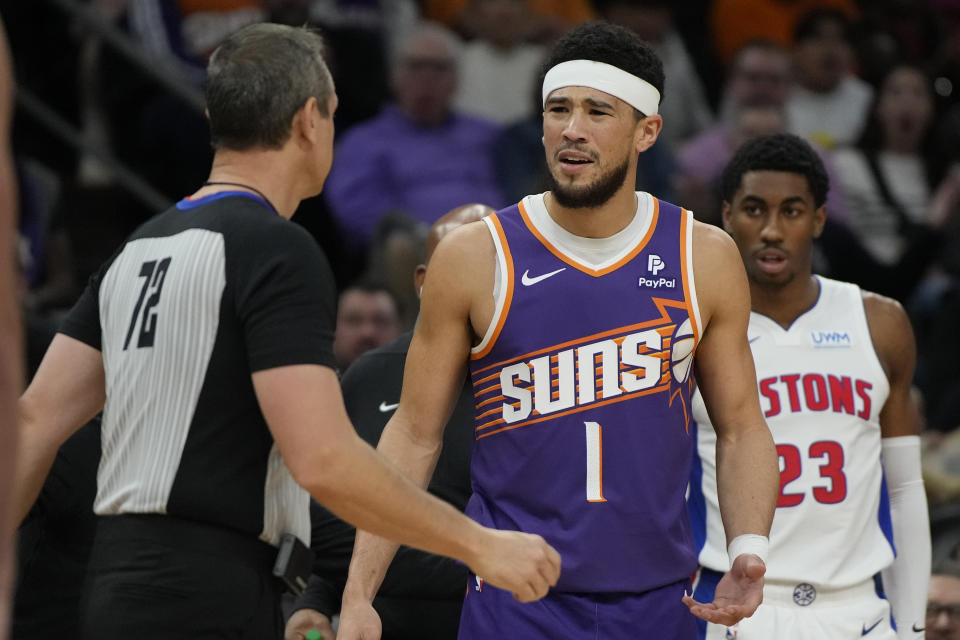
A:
612,366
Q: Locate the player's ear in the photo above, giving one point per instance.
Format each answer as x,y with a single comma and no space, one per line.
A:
819,219
725,216
646,132
419,275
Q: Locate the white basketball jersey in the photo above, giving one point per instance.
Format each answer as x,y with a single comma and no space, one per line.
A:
822,388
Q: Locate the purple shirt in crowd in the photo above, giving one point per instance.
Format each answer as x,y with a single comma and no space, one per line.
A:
390,163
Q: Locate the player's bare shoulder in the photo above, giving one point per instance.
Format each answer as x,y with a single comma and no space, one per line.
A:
462,272
890,331
717,270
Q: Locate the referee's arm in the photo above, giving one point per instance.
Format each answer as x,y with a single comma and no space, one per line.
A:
304,410
66,393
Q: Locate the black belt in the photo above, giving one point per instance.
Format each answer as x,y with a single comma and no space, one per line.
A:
188,535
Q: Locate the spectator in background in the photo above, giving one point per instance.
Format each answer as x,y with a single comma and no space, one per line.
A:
553,17
398,247
419,155
360,34
829,104
367,317
893,30
891,175
903,199
736,22
684,106
943,602
753,103
498,69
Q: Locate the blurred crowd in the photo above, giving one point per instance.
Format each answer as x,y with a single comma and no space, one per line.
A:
440,106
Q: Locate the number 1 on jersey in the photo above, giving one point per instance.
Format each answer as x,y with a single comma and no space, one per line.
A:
594,462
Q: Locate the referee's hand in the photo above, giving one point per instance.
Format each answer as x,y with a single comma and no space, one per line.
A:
521,563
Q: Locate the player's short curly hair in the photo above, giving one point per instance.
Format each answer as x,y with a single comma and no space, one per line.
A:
609,43
776,152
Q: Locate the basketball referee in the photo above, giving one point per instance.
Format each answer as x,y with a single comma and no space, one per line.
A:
206,342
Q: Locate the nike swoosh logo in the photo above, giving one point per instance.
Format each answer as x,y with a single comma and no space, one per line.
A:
384,407
867,629
916,630
527,280
752,340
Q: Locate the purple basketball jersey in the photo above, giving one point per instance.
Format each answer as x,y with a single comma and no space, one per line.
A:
582,398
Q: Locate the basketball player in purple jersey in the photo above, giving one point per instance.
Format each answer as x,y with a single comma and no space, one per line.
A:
834,367
580,315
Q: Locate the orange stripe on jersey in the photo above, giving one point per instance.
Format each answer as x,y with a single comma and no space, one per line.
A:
477,383
483,392
587,270
489,412
508,258
489,400
686,276
568,412
661,303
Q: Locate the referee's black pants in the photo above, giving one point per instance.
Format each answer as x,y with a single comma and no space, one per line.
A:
153,577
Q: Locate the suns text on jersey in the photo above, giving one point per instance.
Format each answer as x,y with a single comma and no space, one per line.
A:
577,377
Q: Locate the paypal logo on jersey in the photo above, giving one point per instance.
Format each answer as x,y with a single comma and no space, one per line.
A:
655,265
831,339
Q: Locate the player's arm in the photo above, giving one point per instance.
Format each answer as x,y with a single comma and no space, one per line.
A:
907,579
67,391
461,271
747,467
433,377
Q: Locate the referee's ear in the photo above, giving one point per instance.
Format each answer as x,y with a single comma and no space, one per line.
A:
306,121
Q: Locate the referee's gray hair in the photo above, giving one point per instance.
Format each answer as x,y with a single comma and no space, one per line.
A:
258,78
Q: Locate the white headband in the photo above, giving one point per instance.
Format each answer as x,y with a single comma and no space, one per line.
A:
636,92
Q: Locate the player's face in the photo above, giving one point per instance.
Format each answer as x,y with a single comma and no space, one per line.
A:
943,608
773,220
591,144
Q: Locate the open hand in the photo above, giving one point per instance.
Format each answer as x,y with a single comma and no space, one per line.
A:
738,593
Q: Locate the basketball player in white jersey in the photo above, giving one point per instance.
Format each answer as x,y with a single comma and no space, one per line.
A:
834,366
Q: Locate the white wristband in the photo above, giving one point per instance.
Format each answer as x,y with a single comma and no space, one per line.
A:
748,543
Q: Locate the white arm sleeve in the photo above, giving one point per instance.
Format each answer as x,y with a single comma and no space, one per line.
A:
907,580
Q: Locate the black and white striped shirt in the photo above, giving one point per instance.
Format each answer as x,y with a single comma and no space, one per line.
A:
196,300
